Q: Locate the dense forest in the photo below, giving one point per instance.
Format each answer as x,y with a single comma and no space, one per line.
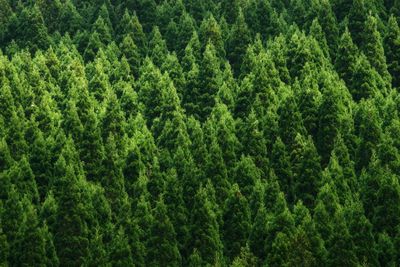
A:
200,133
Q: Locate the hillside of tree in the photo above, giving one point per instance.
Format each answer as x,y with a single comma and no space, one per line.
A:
194,133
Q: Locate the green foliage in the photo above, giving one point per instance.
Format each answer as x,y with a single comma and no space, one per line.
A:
199,133
162,246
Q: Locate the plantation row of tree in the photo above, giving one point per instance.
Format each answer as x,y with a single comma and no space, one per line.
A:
199,133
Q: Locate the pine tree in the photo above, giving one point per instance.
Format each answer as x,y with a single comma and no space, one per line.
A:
330,120
346,58
386,250
280,162
245,258
91,146
361,233
177,211
205,231
307,234
30,247
392,50
162,246
238,42
328,22
4,248
210,33
327,204
290,121
71,240
113,121
306,170
251,137
131,52
102,27
21,174
373,48
216,170
365,80
357,16
258,233
31,30
120,254
12,216
341,247
210,80
158,47
113,179
368,128
246,175
236,222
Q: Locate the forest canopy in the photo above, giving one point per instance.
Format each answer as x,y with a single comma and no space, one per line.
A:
200,133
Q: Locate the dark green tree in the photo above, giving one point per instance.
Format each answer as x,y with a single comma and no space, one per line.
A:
373,48
205,229
239,40
30,249
392,50
357,16
306,170
71,240
162,246
280,162
120,251
236,222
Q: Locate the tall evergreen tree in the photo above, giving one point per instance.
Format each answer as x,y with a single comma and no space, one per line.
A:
71,239
373,48
205,231
236,222
162,246
392,50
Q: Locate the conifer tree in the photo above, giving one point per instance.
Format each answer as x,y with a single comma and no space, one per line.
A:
238,41
280,162
306,170
162,246
386,251
210,33
331,113
216,170
373,48
71,240
113,179
246,175
177,211
357,16
346,58
30,249
360,229
205,231
91,146
210,80
328,22
236,222
368,128
12,215
32,29
392,50
290,121
120,254
251,137
341,247
4,248
158,47
131,52
258,233
21,174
